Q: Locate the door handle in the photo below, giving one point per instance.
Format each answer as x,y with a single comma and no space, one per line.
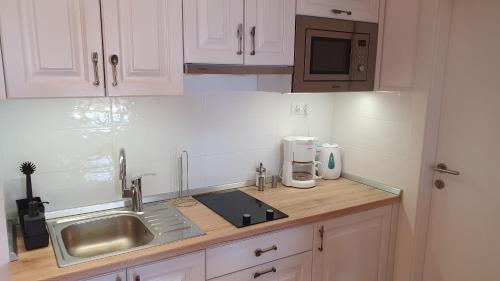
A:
252,33
240,39
442,168
321,237
114,62
95,61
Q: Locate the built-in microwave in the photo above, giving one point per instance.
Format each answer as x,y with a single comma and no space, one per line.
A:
334,55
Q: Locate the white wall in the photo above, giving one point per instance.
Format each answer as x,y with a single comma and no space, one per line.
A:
75,142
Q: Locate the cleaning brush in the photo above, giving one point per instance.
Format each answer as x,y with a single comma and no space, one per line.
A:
28,168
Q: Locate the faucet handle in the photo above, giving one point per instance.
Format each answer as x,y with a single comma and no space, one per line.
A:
140,176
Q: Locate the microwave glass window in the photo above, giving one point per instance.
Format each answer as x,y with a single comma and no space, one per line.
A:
330,55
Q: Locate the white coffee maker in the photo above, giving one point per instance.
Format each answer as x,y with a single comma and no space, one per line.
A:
299,165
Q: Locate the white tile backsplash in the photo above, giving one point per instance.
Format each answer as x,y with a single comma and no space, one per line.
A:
373,129
75,142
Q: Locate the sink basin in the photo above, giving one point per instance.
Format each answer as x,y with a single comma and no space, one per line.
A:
92,236
105,235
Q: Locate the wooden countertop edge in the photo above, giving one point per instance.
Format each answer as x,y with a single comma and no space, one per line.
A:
160,254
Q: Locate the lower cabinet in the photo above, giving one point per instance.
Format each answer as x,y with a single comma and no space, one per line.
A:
353,248
189,267
350,248
294,268
117,276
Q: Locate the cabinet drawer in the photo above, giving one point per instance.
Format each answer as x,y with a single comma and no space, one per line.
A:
294,268
235,256
117,276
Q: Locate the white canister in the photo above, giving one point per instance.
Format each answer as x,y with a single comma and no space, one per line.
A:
331,161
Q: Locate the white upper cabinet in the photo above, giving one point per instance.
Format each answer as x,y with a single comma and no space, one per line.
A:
213,31
399,38
354,247
143,47
359,10
52,48
251,32
2,81
269,32
184,268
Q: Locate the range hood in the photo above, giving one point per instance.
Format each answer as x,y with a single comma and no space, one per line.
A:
196,68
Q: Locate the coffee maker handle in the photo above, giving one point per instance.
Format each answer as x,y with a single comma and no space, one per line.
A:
318,166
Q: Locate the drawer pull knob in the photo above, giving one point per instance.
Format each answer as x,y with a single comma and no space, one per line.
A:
259,251
260,273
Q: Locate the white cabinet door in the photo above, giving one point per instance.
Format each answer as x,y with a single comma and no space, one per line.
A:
359,10
184,268
269,32
146,38
213,31
117,276
48,48
398,52
293,268
2,78
354,248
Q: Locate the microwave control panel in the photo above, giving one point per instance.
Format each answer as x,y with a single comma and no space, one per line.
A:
359,66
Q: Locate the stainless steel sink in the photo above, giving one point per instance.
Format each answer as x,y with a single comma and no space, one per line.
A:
105,235
97,235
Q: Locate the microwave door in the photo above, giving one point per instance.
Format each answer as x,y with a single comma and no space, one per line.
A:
332,56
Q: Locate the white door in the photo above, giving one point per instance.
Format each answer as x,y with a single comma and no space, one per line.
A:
117,276
269,32
52,48
143,47
464,231
294,268
184,268
213,31
360,10
353,248
2,78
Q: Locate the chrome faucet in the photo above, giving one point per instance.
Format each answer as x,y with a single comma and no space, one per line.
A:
126,192
135,190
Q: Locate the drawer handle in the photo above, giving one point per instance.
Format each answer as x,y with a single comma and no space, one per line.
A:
260,273
259,251
338,12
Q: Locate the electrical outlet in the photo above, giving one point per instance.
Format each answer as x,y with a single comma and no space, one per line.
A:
301,109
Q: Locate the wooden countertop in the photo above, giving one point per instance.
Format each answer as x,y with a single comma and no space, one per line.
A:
329,199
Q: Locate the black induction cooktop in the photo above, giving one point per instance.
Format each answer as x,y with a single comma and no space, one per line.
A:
239,208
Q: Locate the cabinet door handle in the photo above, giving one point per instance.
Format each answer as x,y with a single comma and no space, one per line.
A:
95,61
260,273
338,12
321,234
114,62
259,252
252,33
240,39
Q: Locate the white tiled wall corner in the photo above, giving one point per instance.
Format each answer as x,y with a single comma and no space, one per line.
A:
75,142
373,130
